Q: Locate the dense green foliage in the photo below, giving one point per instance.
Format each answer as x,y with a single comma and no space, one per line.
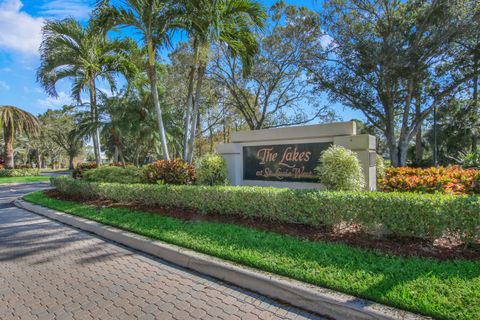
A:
211,170
470,159
339,169
443,290
400,214
82,168
24,172
128,174
170,172
379,167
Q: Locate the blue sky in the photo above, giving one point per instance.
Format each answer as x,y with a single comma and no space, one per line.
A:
20,25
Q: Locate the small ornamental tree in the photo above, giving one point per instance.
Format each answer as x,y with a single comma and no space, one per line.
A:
339,169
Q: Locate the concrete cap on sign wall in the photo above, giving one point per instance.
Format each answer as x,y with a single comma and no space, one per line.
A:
301,132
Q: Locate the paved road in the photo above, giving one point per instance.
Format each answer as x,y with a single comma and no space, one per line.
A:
51,271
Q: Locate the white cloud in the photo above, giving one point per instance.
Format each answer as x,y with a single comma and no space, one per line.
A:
66,8
20,31
4,86
52,102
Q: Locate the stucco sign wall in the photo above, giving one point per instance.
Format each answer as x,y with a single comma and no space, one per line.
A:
287,157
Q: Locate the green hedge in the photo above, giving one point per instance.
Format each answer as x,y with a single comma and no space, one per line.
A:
25,172
401,214
112,174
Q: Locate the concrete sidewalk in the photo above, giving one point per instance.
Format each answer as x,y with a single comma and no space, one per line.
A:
51,271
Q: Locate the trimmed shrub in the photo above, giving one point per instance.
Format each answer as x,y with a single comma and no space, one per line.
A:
81,168
24,172
211,170
170,172
114,174
340,170
424,216
451,180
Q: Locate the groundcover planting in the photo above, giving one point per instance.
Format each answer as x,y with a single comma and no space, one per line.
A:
23,179
441,289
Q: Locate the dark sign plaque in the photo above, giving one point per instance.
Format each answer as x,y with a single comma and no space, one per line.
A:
285,162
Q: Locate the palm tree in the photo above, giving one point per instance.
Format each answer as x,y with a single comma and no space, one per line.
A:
84,55
15,121
153,19
231,22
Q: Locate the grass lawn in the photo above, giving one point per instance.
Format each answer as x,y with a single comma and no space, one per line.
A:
441,289
23,179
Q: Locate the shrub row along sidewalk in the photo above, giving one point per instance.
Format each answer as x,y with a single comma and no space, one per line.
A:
400,214
441,289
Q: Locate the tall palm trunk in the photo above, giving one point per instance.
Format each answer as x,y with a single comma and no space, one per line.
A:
188,113
196,109
156,101
95,118
9,136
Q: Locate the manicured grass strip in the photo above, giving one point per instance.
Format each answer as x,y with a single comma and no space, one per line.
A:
28,179
443,290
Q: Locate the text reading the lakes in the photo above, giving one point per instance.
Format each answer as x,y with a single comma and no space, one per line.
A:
287,162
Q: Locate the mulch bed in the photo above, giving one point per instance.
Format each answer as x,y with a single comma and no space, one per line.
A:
441,249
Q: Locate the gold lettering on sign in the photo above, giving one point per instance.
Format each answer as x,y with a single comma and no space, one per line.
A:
286,162
266,155
294,156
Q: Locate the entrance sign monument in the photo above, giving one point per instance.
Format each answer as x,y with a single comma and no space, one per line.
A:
287,157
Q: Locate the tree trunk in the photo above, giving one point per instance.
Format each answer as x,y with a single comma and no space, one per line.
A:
188,112
71,165
418,136
391,140
9,136
156,101
402,152
115,155
196,109
475,109
95,118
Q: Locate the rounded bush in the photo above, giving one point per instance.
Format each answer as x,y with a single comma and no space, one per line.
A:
170,172
339,169
211,170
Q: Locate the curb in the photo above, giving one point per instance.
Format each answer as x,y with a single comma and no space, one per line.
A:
322,301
